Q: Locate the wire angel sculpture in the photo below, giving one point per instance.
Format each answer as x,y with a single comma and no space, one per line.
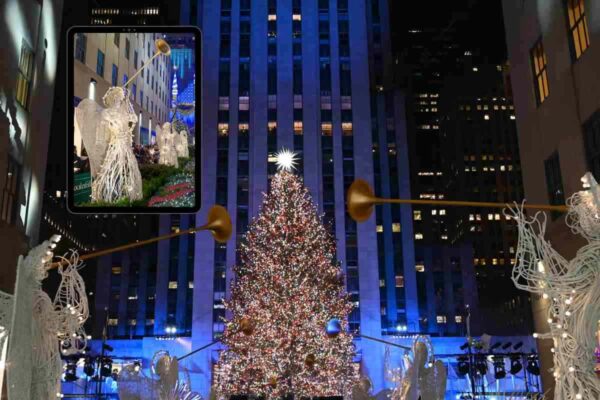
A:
166,139
420,374
572,288
167,381
107,137
43,328
182,145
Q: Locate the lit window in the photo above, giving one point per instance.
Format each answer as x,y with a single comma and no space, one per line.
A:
113,322
243,127
471,217
396,227
244,103
497,217
347,128
511,249
132,322
579,37
379,228
116,270
272,126
420,267
134,297
297,127
512,117
190,285
418,236
24,75
458,319
297,101
442,212
539,63
399,281
381,282
441,319
325,102
486,117
272,17
326,129
417,215
444,237
346,103
172,284
494,261
433,212
223,129
490,217
223,103
297,17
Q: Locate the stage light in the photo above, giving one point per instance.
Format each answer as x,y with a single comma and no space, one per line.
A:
88,367
533,366
518,346
515,365
499,368
481,365
70,371
106,367
463,366
506,346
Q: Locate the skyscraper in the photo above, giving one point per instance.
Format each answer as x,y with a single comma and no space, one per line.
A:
313,77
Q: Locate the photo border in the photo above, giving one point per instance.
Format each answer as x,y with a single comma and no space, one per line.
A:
71,118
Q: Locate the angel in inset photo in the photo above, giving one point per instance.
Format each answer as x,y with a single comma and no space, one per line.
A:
107,136
182,147
166,140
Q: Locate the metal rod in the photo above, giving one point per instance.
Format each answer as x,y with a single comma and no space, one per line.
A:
383,341
198,349
453,203
128,246
158,52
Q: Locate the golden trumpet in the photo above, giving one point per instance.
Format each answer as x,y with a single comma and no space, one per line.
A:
162,47
218,224
361,201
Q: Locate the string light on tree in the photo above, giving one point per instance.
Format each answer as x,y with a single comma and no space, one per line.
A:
288,334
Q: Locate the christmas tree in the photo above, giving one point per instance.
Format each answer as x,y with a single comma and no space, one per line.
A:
288,287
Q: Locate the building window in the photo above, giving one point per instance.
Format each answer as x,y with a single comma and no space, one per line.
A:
417,215
117,39
24,75
115,74
100,63
539,63
458,319
127,48
554,182
135,59
10,192
399,281
420,267
418,236
441,319
579,37
396,227
591,132
80,47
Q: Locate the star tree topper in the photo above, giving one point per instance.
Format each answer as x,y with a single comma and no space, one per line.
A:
286,160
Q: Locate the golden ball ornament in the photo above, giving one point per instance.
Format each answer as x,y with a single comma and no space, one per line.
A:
273,381
246,326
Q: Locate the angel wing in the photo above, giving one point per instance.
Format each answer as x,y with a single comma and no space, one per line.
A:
135,385
88,122
433,381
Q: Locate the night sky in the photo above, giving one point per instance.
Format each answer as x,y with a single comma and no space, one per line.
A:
479,22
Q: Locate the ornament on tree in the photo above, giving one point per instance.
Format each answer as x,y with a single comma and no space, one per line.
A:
283,285
246,326
334,327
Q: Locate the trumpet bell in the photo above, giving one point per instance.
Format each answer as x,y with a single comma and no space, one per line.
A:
163,46
361,200
219,223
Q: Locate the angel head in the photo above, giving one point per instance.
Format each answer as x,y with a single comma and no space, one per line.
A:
166,127
114,96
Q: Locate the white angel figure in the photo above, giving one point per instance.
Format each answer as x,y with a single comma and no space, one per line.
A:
421,376
165,138
182,146
572,289
45,327
165,382
107,136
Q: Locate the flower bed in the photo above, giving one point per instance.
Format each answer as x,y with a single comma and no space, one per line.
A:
179,191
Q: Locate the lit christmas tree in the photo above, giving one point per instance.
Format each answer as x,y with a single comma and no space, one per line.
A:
288,287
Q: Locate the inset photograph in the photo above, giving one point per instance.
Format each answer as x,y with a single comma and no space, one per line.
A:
134,121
